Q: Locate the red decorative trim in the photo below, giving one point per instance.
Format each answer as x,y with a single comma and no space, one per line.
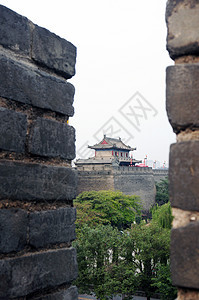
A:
104,142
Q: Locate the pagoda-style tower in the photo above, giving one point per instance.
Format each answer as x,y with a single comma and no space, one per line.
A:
110,151
112,168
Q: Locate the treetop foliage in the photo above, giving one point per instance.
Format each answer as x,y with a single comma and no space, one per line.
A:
107,207
112,262
162,191
115,254
162,215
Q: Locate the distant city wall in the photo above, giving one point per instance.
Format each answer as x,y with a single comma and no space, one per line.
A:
182,93
95,181
160,174
37,183
129,180
137,182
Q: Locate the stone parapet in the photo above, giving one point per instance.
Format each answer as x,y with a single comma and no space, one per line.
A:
37,182
133,170
182,18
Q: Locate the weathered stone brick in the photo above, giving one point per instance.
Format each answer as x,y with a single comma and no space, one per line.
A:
52,139
182,95
13,127
27,181
187,294
51,227
184,175
13,229
185,256
23,275
69,294
15,31
182,23
26,84
54,52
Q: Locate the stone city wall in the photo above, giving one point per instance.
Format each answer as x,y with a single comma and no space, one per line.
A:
37,183
182,95
129,180
95,180
136,181
160,174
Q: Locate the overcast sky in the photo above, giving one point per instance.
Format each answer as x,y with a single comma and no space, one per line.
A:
120,70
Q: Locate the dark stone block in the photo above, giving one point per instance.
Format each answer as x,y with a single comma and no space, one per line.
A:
13,229
27,181
52,226
182,96
25,84
23,275
13,127
15,31
182,23
184,175
52,139
185,256
53,52
70,294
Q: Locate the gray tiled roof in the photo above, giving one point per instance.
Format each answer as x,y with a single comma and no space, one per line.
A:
111,144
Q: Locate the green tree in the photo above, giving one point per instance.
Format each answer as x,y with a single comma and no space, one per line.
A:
117,256
162,282
102,269
162,191
107,207
162,215
146,246
113,262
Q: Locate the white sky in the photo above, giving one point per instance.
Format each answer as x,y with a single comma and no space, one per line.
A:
121,46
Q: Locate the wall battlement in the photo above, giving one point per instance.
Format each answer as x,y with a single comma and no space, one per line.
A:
133,170
125,169
119,169
160,174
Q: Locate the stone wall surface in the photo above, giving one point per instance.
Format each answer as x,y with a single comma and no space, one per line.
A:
37,182
160,174
182,99
138,182
95,181
129,180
